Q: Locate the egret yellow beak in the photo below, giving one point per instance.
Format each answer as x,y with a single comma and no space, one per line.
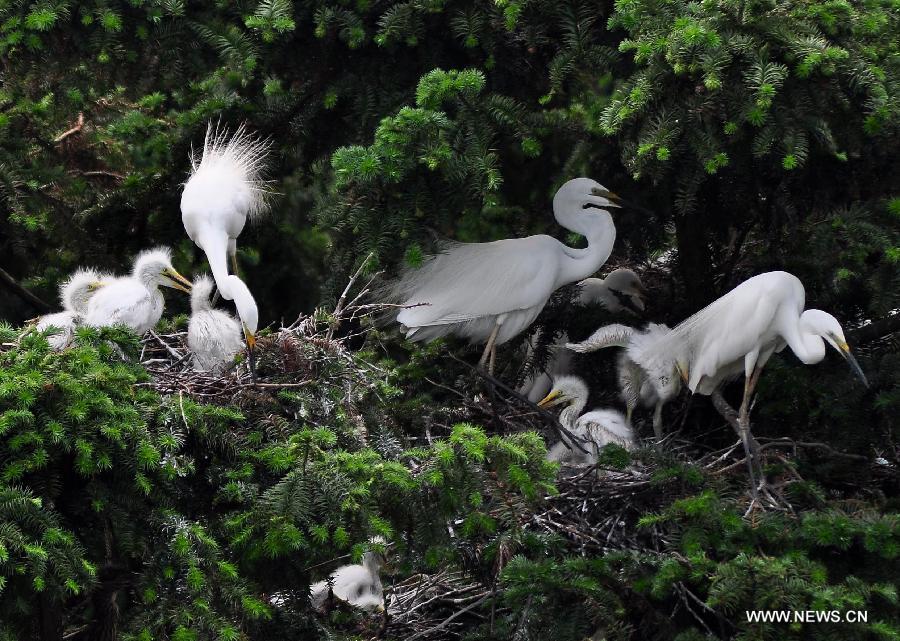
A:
682,371
177,280
553,398
613,198
250,338
844,350
97,284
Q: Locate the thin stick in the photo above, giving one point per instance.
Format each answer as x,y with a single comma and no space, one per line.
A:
10,283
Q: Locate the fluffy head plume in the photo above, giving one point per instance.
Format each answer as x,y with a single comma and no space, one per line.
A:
77,289
232,167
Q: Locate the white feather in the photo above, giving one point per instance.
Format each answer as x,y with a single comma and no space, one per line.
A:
213,336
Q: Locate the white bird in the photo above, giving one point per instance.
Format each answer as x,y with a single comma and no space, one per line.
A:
358,584
74,295
213,336
224,189
644,381
621,291
135,301
740,331
597,428
490,292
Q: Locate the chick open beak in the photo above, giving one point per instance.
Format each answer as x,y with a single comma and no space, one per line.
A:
177,281
553,398
844,349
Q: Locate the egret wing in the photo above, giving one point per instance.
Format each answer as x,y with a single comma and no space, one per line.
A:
468,281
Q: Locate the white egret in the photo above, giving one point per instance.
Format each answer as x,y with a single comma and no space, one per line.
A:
490,292
357,584
740,331
74,295
649,382
135,301
213,336
225,188
621,291
597,428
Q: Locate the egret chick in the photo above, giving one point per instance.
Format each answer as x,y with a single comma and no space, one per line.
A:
740,331
597,428
74,294
642,381
621,291
213,336
224,189
357,584
490,292
135,301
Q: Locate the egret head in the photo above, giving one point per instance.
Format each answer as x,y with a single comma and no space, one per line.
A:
201,294
579,193
247,310
153,268
627,287
567,390
78,289
819,323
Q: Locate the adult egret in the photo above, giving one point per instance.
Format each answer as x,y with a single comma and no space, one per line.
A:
225,188
644,381
74,295
620,292
358,584
213,336
489,292
740,331
135,301
598,427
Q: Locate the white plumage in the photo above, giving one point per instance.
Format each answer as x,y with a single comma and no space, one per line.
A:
135,301
358,584
213,336
740,331
620,286
596,428
490,292
74,295
644,381
225,188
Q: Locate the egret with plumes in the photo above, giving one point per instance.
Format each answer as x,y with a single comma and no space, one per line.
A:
597,428
358,584
644,381
74,295
213,336
490,292
740,331
225,188
136,301
620,292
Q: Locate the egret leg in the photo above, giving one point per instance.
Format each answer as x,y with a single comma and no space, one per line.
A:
232,253
657,421
744,431
492,359
489,347
629,410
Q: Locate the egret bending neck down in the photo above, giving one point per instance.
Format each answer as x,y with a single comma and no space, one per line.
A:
490,292
740,331
225,188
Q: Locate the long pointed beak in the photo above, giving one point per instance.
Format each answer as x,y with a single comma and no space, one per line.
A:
250,337
617,200
178,281
844,349
551,399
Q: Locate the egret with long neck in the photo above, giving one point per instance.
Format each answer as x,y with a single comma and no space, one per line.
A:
490,292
